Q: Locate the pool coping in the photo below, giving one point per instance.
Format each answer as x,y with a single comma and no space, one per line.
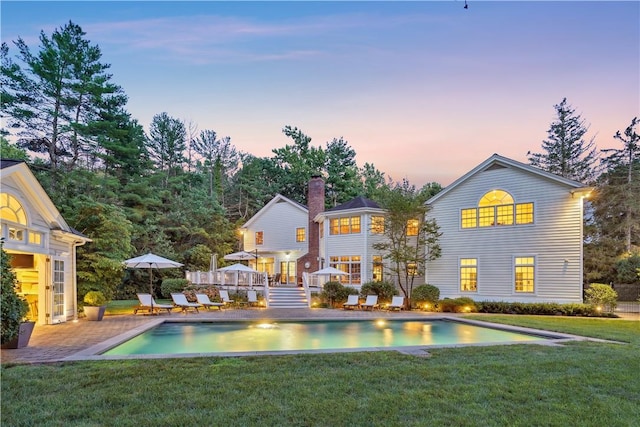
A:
550,338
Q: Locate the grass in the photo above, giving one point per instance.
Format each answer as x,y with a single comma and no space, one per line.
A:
580,383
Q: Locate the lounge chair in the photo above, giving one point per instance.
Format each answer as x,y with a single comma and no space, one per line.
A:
397,303
252,298
370,303
148,303
180,300
204,300
224,296
352,302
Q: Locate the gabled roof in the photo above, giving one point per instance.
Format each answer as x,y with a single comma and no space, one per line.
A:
32,189
355,203
278,198
498,161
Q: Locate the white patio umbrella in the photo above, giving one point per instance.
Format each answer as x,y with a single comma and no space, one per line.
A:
241,256
238,268
330,271
151,261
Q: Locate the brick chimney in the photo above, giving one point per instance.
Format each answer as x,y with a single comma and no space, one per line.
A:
315,205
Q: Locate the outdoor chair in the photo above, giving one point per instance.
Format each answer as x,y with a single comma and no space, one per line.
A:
180,300
352,302
397,303
148,303
370,303
224,296
252,298
203,299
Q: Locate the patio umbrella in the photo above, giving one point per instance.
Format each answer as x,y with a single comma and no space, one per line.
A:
241,256
151,261
238,268
330,271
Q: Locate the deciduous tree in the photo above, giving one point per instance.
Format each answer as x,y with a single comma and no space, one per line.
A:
410,239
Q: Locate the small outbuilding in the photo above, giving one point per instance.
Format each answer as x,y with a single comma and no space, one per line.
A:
41,243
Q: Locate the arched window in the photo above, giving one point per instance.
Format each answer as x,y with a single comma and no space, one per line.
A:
496,208
11,209
496,197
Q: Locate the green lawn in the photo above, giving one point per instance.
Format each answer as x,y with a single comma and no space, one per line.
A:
576,384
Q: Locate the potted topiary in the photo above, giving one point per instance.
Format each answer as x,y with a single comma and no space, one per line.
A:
16,330
95,305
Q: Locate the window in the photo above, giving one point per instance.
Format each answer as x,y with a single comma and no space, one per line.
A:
348,264
377,269
259,237
355,224
412,227
469,218
412,269
469,274
301,235
344,225
496,208
524,213
334,226
377,224
524,274
35,238
11,209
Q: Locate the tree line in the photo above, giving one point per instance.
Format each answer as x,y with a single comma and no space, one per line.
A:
181,192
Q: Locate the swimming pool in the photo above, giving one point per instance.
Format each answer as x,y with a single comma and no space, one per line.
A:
328,335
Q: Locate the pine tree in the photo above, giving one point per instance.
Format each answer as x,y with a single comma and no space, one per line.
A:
566,153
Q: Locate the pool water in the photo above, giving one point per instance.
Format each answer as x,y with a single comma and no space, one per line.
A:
236,337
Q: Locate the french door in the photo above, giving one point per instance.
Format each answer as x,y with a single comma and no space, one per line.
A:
57,291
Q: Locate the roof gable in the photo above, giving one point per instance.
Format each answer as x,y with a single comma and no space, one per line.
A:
279,198
499,162
39,199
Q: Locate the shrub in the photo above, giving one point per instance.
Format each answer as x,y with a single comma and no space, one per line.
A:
601,295
13,308
384,290
210,291
425,294
537,308
457,305
173,286
95,299
335,293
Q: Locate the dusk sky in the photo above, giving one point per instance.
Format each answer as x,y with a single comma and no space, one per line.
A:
423,90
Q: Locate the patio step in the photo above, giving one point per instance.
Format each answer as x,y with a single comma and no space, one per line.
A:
280,297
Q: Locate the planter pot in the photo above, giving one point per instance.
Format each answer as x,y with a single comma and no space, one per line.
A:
22,340
94,313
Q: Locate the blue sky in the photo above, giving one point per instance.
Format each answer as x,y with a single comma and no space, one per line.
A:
423,90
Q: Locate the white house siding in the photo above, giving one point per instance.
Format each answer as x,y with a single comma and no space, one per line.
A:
278,223
356,244
555,236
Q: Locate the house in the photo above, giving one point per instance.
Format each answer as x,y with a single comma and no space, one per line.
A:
41,244
510,232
